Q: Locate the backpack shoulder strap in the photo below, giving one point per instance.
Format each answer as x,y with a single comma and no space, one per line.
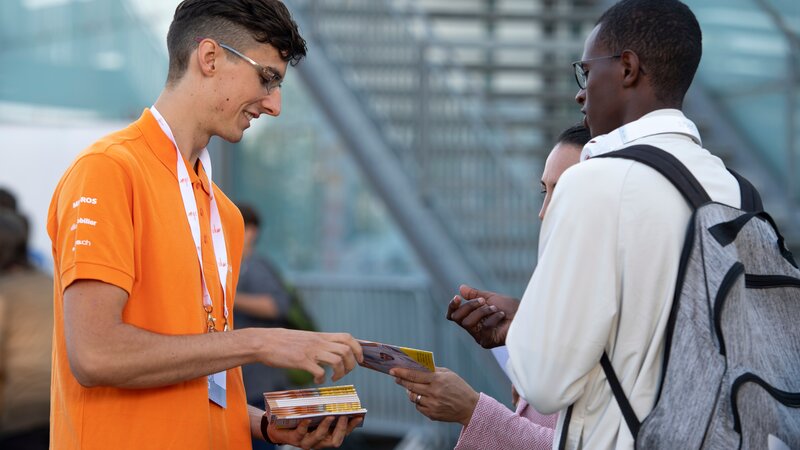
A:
694,193
751,199
619,394
668,166
684,181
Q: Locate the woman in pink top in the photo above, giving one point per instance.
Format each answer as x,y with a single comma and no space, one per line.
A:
487,423
446,397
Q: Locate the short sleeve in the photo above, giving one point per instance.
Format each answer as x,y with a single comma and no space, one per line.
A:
94,222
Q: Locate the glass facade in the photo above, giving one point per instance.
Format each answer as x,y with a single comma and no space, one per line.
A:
751,65
320,215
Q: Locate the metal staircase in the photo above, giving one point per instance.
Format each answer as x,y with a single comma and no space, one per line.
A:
468,97
455,115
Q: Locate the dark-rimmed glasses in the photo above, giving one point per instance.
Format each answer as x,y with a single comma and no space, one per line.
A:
270,79
580,72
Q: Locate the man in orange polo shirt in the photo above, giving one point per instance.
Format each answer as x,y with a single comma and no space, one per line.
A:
147,252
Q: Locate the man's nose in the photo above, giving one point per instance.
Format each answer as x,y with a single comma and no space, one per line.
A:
580,97
271,103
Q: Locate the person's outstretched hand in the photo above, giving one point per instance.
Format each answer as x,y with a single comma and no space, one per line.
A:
310,351
485,315
323,436
440,395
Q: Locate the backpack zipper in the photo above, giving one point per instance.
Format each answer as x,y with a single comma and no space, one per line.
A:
770,281
790,399
724,288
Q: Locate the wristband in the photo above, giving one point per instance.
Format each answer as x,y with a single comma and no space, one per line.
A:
264,432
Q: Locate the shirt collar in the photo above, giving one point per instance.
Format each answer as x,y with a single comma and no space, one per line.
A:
662,121
164,149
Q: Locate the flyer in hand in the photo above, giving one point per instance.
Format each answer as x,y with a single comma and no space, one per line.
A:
286,409
384,357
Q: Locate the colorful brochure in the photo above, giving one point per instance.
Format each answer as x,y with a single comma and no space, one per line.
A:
384,357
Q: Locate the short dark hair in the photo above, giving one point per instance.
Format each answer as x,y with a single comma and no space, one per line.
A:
577,135
237,23
13,240
250,215
666,37
7,199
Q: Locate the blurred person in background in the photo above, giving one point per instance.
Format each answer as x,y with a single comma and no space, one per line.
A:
35,258
147,254
446,397
7,199
26,332
261,301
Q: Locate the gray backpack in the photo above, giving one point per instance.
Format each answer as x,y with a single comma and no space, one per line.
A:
731,375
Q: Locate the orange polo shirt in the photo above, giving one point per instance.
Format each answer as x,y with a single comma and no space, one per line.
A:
117,216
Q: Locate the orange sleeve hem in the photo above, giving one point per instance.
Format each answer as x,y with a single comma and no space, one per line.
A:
99,272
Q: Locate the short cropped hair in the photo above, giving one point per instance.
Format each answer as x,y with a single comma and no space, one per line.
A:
250,215
238,23
7,199
13,240
577,135
666,37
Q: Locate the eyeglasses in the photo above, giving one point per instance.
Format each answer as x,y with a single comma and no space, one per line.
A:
580,71
270,79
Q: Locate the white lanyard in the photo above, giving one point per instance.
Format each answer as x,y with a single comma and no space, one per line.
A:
646,126
217,236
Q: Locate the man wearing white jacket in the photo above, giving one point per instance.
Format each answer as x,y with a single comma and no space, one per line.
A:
611,242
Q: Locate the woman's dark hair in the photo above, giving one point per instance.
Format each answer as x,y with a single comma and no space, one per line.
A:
577,135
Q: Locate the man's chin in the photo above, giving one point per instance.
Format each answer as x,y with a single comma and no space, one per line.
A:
233,138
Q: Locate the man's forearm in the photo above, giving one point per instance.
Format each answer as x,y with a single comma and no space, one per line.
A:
130,357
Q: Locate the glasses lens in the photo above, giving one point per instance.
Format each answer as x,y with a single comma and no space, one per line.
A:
271,80
580,75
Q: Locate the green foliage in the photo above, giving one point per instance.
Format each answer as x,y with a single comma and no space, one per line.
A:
298,318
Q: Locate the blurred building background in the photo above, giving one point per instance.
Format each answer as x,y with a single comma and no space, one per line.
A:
408,154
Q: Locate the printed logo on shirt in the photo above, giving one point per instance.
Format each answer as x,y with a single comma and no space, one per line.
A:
215,229
87,200
85,221
82,221
84,242
192,214
184,180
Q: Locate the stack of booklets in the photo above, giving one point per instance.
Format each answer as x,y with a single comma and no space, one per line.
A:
287,409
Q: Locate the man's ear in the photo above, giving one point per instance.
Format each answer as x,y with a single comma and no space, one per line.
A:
632,69
206,56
